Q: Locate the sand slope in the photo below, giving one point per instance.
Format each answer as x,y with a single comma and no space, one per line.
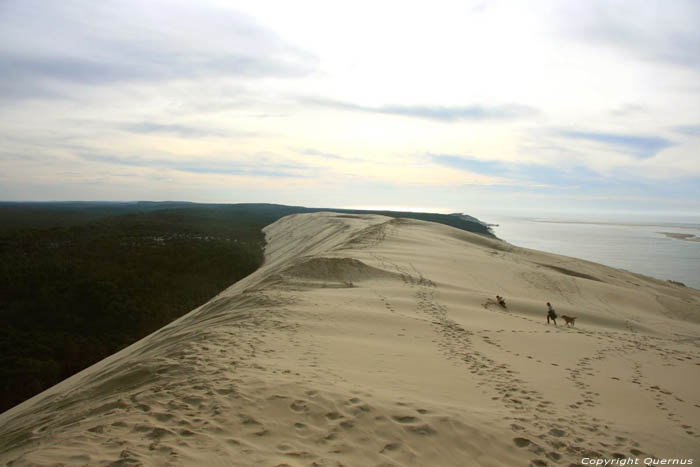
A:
370,341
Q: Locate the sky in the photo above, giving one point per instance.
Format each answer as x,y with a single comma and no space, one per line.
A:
475,107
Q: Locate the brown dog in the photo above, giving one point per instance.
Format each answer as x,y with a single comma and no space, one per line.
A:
569,320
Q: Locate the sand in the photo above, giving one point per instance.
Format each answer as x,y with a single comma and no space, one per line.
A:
365,340
682,236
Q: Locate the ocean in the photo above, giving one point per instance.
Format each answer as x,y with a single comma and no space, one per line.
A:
639,245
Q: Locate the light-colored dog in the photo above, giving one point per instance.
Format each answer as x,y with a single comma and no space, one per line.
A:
569,320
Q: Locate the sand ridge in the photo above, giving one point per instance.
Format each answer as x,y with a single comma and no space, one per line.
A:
365,340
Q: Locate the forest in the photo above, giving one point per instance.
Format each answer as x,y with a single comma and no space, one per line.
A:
80,281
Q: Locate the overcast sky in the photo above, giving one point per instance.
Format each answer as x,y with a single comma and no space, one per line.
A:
451,106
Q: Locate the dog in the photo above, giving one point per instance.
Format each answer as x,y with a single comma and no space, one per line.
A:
569,320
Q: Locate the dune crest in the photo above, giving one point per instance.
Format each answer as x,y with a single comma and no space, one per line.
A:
366,340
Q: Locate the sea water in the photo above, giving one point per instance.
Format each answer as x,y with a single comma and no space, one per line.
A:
634,244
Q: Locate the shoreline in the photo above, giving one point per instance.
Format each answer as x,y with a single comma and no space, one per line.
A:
641,248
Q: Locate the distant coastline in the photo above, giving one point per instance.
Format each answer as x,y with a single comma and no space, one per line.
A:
667,250
679,225
469,218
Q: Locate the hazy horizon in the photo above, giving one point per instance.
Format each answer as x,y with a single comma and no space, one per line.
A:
546,106
489,215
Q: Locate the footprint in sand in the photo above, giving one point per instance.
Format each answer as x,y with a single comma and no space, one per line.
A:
390,447
334,416
424,430
557,432
521,442
299,406
347,424
404,418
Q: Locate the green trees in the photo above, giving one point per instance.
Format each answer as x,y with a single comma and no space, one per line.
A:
71,296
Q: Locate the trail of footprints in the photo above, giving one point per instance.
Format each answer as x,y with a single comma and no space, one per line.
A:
537,428
201,382
197,394
630,345
625,344
202,406
325,430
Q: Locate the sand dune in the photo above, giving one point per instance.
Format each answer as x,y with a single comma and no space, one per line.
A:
365,340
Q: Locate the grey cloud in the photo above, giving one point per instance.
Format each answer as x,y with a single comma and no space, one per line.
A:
655,30
13,156
688,130
13,89
628,109
86,71
439,113
183,131
102,43
327,155
76,70
262,167
474,112
641,146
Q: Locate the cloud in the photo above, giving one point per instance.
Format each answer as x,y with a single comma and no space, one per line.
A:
555,184
327,155
468,164
628,109
655,30
519,173
439,113
639,146
261,167
159,66
688,130
45,45
183,131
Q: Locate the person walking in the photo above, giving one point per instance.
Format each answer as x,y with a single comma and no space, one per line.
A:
551,314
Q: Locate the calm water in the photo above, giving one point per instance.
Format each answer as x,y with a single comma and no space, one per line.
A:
633,245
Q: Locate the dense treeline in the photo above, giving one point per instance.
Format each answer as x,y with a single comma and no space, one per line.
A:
79,281
62,214
70,296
